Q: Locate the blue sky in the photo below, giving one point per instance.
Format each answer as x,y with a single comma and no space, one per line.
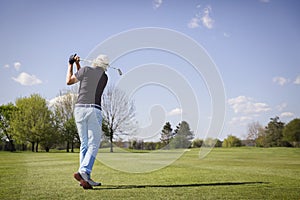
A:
255,45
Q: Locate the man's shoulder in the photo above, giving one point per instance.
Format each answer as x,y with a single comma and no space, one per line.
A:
87,69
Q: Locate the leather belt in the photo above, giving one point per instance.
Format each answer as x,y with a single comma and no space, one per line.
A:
88,106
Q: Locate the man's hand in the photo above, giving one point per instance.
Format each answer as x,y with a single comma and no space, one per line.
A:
72,59
71,78
77,59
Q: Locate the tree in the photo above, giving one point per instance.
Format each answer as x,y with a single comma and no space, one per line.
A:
51,136
232,141
6,112
65,122
261,140
254,129
118,113
291,132
218,143
197,143
274,132
166,134
32,120
212,142
183,136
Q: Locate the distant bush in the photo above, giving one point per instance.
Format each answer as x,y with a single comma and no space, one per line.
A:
232,141
197,143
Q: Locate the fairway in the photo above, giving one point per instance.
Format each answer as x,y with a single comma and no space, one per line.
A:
233,173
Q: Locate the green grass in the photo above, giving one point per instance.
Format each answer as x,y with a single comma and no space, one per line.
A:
234,173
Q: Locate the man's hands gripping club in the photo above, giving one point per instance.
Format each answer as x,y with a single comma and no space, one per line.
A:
71,78
74,58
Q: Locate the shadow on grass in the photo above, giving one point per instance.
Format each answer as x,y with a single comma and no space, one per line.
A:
111,187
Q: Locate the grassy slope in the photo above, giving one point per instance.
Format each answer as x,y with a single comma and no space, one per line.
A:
237,173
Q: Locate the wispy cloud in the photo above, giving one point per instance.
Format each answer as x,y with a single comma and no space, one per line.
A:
247,105
194,22
157,4
17,65
202,17
6,66
59,99
26,79
176,111
287,114
243,120
207,21
281,107
297,81
280,80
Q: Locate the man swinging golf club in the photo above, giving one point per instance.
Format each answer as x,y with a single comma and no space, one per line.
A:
87,112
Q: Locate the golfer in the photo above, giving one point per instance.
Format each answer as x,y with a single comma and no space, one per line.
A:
87,113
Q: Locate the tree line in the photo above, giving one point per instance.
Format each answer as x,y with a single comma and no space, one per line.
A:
31,123
275,134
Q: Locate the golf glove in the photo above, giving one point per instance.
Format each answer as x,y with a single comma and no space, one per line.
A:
72,59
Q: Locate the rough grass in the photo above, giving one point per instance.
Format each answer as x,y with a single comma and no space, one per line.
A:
234,173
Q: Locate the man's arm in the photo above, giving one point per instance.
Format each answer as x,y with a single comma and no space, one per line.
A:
71,78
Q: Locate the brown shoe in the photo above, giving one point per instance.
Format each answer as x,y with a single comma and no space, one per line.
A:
83,183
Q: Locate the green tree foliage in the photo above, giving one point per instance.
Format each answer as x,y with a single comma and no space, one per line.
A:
51,135
32,120
212,142
291,132
232,141
261,140
218,143
274,132
183,136
197,143
166,134
6,112
70,133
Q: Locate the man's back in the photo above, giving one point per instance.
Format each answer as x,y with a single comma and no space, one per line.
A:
92,83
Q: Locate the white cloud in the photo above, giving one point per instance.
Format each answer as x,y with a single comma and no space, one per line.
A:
247,105
280,80
6,66
204,17
64,97
282,106
240,120
297,81
17,65
207,21
176,111
157,3
26,79
194,23
286,114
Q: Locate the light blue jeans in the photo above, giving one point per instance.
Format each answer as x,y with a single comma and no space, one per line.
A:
89,126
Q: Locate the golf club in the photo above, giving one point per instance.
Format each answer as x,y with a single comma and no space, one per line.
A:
119,70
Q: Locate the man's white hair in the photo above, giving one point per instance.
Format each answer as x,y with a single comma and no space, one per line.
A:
101,61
